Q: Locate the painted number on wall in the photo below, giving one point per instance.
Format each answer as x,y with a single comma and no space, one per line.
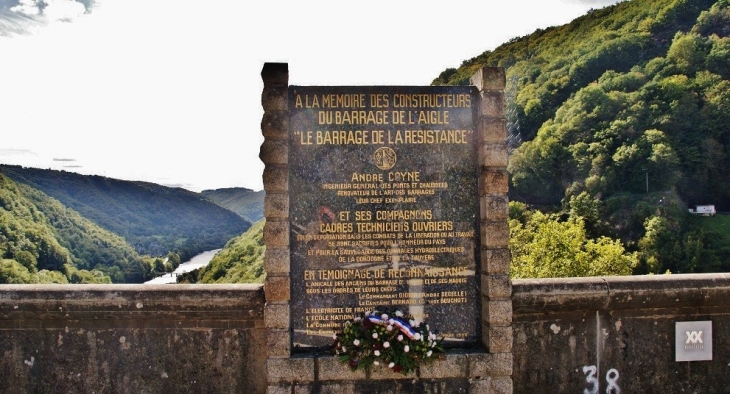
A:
592,380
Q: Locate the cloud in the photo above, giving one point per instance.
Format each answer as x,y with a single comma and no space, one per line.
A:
27,7
187,186
63,10
61,159
16,152
20,16
12,23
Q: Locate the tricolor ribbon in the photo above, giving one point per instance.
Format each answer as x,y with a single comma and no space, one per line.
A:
404,327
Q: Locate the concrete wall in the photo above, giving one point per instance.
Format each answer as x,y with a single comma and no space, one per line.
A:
132,339
210,339
622,326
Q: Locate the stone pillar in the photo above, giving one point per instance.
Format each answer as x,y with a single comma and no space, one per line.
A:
274,155
496,287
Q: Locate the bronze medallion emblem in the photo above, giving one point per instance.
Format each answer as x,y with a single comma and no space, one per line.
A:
384,158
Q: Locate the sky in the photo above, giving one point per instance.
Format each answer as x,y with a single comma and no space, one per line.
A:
169,91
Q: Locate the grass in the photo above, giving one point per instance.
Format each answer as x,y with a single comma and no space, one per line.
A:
719,224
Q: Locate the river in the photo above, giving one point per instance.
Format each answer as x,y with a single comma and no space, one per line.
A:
198,261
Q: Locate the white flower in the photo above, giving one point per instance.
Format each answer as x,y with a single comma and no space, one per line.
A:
367,314
334,336
344,349
412,322
386,344
377,352
376,363
429,353
389,327
399,313
400,338
384,317
428,328
375,335
406,348
417,336
357,319
431,336
356,342
391,365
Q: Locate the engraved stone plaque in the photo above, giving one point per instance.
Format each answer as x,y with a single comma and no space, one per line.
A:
383,207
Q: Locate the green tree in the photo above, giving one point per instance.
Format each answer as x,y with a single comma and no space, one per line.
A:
26,259
543,246
240,261
158,265
587,208
659,245
688,52
652,152
50,277
718,60
173,258
12,272
86,277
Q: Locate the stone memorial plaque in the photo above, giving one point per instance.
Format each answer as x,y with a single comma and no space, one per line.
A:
384,208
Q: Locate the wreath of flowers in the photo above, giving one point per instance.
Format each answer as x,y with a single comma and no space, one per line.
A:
392,339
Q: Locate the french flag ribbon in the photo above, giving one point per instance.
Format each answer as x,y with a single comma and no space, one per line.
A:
403,326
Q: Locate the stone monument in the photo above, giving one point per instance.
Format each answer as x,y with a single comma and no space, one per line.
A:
386,197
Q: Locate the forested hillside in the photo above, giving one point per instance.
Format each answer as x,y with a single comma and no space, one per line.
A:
41,241
154,219
245,202
619,122
240,261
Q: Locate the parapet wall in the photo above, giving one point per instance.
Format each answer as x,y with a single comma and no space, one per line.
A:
132,339
570,335
617,334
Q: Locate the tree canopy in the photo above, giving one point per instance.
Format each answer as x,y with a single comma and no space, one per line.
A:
627,106
154,219
41,241
543,246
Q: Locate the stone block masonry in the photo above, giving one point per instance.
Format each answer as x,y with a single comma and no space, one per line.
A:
132,339
275,156
493,189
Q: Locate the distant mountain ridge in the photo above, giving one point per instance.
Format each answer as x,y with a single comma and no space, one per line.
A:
42,241
154,219
246,203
